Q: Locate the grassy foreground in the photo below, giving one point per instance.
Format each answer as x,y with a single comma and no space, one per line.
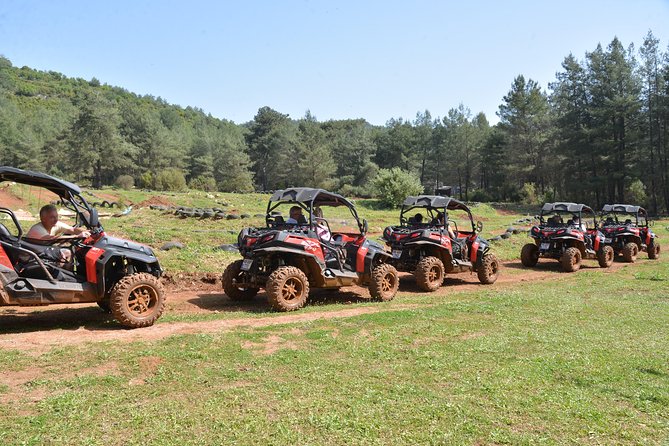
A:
578,360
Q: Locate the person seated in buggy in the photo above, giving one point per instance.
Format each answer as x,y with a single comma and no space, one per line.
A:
321,225
50,228
296,217
416,219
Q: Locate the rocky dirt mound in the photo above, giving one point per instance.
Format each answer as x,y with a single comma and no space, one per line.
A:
155,201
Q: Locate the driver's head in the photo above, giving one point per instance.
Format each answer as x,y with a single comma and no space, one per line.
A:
48,216
295,212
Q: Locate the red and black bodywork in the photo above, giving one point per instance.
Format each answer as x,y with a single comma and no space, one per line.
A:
567,232
31,270
625,225
340,259
413,241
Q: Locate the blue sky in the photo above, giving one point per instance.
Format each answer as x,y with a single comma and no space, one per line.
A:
340,59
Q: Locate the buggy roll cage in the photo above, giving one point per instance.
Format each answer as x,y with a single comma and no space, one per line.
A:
17,247
69,194
581,211
614,210
308,199
432,203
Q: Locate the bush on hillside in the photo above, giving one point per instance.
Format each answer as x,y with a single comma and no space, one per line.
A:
170,179
124,182
204,183
392,186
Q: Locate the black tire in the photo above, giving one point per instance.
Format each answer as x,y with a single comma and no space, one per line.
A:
630,251
571,260
429,273
385,282
529,255
230,276
605,256
137,300
488,270
287,289
654,250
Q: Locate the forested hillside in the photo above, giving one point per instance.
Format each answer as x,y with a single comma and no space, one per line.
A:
598,133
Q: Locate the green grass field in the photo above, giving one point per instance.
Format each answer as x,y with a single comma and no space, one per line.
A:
577,360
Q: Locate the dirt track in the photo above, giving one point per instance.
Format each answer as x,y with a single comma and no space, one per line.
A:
38,329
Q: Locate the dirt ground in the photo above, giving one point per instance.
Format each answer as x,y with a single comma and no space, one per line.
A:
36,330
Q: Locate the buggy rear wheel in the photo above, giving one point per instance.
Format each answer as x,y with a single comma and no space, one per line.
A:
429,273
529,255
488,270
630,251
231,275
571,260
605,256
287,289
385,282
137,300
654,250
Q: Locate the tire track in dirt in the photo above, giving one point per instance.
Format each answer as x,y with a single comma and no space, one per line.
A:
38,329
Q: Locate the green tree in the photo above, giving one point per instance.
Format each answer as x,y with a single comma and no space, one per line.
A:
525,118
96,148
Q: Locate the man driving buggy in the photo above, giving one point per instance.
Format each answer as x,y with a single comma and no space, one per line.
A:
50,228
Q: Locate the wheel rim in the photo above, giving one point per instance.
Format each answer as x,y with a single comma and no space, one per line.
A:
142,300
609,256
388,282
434,274
292,289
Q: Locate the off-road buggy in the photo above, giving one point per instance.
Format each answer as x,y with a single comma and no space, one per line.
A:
287,259
120,275
422,245
625,229
569,233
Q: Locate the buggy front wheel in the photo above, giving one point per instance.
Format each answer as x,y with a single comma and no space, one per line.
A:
654,250
137,300
385,282
488,270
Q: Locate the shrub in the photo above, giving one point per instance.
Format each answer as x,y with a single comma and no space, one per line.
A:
125,182
171,179
528,194
392,186
480,195
146,180
205,183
